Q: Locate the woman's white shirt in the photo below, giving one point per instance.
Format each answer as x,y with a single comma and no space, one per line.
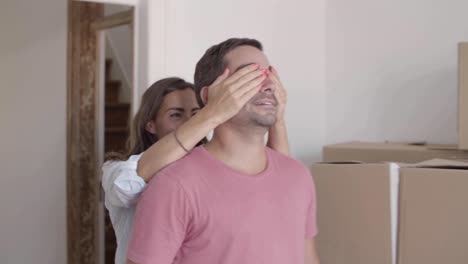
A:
122,187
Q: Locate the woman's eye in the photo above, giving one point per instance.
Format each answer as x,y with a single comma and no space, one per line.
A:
176,115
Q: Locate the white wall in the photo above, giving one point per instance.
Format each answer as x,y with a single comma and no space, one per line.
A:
293,33
33,137
392,69
119,49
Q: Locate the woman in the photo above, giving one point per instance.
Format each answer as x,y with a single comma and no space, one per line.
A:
165,128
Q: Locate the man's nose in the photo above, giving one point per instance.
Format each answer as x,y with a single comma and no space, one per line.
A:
268,86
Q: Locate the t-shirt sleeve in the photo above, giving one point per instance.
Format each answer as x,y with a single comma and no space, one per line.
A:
311,218
161,220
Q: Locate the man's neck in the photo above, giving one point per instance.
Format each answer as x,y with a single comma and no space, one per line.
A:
241,149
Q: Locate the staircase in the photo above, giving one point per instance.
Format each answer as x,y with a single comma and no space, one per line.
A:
116,114
116,122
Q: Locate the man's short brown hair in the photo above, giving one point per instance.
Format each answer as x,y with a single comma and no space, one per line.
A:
212,64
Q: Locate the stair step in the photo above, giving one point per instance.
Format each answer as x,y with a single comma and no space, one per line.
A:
116,126
115,143
112,91
117,114
117,105
115,139
116,129
113,84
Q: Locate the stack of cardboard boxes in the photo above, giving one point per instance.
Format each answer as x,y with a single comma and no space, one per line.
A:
395,203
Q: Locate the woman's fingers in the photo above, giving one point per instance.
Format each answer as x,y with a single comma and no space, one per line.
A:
249,78
221,78
249,94
255,84
241,72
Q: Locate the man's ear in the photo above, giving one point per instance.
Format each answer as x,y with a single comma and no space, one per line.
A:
151,127
204,95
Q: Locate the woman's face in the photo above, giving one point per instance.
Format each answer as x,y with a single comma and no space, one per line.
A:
176,108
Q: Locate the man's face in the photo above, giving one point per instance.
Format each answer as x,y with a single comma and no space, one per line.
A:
261,109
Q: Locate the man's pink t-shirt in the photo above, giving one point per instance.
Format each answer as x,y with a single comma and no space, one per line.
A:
199,211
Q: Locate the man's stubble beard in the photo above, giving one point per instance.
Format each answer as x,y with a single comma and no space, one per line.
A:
252,119
265,121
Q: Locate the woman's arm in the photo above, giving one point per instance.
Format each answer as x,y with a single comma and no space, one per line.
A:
167,149
278,134
278,138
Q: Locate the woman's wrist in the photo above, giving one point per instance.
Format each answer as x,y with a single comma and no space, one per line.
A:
209,116
280,123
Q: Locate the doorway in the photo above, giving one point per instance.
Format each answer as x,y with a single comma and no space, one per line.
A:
115,37
101,88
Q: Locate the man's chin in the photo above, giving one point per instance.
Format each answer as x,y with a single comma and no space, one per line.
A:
268,120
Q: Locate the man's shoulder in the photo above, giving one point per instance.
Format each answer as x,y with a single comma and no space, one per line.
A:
292,172
286,161
184,168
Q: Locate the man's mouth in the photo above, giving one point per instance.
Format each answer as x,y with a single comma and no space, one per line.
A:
266,102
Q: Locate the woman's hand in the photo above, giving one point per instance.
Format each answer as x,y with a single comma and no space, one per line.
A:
228,94
280,95
278,134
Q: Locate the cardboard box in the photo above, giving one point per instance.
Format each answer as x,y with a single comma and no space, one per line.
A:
357,213
463,95
390,152
433,219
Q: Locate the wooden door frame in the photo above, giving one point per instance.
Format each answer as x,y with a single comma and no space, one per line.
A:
85,19
82,183
115,20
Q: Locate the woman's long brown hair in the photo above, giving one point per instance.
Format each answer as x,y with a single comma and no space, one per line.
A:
140,139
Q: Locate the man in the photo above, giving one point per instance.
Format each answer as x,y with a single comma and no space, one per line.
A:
232,201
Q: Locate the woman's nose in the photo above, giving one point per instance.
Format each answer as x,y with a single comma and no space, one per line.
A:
186,117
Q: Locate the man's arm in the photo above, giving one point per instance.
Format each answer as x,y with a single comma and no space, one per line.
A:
311,256
161,221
